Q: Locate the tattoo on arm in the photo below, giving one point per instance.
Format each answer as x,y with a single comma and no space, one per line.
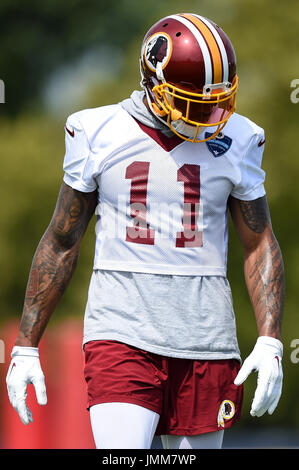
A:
266,285
54,262
32,284
264,270
255,214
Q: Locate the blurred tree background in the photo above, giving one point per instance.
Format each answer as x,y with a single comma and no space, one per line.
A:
59,57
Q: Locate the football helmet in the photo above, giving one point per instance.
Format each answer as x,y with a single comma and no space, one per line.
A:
188,72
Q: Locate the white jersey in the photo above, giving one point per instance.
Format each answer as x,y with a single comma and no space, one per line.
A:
162,203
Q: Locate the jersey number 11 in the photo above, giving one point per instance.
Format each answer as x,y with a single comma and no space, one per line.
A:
189,175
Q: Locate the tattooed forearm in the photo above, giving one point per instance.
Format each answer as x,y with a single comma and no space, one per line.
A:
263,267
32,284
264,274
54,262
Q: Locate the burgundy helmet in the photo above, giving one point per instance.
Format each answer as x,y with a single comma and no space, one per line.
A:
188,70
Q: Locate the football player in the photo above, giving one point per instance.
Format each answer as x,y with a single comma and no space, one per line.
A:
162,169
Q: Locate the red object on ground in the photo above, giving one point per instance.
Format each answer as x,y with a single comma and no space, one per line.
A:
64,422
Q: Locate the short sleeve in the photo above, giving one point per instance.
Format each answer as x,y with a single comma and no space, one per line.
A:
252,176
78,162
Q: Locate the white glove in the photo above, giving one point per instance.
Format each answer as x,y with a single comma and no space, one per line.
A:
25,369
266,359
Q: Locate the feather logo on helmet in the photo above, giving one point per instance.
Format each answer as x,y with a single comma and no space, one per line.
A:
158,49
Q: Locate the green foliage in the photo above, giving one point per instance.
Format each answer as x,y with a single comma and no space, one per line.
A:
38,37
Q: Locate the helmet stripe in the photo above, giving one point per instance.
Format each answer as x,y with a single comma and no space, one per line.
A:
202,44
212,45
220,45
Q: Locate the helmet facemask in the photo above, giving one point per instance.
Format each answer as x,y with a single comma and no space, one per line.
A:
188,113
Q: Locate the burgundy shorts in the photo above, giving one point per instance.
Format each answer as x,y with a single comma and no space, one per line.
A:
191,396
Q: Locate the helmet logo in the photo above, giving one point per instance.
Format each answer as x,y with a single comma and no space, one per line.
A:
157,50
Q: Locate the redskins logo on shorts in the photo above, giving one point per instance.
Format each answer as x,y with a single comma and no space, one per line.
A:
226,411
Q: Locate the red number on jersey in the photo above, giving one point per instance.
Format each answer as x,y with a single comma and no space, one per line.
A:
140,232
191,236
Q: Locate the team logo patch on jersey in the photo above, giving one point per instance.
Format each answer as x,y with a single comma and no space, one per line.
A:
219,145
158,49
226,411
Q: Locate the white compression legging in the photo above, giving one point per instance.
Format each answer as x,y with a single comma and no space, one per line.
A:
128,426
